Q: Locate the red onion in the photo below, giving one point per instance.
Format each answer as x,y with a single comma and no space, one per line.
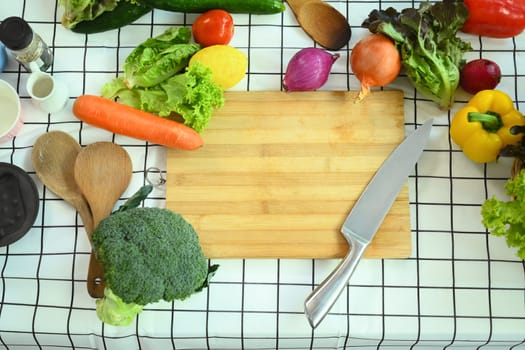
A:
480,74
308,69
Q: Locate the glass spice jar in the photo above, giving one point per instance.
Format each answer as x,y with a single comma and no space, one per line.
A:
26,46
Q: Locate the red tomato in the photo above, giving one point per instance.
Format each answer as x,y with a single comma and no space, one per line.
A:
214,27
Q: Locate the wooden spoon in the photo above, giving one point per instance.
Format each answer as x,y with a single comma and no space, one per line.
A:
322,22
53,156
103,172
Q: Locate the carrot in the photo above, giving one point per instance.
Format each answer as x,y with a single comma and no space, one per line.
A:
125,120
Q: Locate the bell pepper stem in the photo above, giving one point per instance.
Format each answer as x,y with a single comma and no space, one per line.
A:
491,121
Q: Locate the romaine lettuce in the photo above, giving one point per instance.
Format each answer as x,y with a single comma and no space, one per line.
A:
158,58
76,11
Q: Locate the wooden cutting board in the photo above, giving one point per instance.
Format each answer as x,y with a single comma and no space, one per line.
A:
279,173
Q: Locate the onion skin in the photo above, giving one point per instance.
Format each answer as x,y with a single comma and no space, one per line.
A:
375,61
308,69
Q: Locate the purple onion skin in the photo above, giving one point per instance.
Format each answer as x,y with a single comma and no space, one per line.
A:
308,69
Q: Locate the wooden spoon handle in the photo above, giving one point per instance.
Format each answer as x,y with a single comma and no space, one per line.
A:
95,278
95,275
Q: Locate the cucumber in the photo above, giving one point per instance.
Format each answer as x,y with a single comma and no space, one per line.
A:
123,14
258,7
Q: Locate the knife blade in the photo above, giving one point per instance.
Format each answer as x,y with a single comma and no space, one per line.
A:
365,218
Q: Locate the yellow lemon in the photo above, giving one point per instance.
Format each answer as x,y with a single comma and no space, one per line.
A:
228,64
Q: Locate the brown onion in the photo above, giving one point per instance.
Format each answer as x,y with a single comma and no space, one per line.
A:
308,69
375,61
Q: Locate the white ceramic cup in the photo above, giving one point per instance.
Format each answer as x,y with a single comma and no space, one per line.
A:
47,93
11,116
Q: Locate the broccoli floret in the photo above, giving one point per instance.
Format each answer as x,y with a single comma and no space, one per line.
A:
149,254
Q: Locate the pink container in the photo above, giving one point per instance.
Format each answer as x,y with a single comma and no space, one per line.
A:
11,117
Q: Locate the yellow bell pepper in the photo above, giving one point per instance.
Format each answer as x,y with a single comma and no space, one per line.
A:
484,126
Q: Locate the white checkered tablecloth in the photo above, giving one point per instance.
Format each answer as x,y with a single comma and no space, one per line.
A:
460,288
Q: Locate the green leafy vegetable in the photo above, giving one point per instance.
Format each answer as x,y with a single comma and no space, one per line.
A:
158,58
507,218
76,11
431,52
157,80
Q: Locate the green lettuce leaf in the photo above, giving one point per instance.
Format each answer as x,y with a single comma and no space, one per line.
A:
431,52
507,218
191,94
158,58
76,11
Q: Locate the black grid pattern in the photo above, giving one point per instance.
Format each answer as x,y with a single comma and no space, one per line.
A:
461,288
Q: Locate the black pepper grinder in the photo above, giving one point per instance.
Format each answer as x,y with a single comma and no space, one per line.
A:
26,46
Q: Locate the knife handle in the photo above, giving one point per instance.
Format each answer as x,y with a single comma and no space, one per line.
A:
324,296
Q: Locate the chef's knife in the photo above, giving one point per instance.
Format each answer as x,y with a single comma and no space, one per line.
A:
365,218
